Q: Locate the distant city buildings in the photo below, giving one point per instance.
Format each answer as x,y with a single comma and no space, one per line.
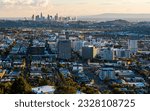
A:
52,18
56,18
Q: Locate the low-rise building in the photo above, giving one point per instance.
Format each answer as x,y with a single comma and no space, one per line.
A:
106,54
107,74
44,90
121,53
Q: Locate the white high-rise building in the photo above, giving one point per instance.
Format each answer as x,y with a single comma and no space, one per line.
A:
133,46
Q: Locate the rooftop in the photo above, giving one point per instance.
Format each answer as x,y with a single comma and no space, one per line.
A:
44,89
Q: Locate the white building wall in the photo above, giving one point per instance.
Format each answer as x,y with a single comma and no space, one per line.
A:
133,46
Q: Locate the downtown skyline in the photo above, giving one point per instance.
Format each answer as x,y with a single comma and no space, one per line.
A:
25,8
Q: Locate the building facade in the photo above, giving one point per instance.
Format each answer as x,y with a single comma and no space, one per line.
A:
64,49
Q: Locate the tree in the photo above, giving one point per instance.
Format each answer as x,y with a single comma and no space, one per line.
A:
43,82
1,91
44,70
89,90
5,88
20,86
117,91
66,86
65,90
106,92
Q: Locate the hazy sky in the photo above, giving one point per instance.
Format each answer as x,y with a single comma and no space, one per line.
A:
22,8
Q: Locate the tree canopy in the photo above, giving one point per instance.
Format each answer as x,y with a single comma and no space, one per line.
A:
20,86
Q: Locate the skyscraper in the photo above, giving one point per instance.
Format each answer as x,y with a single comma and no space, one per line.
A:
48,17
37,18
32,17
64,49
56,17
133,46
41,15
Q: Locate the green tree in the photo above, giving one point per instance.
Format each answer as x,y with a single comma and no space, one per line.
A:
43,82
20,86
90,90
106,92
65,90
118,91
66,86
5,88
44,70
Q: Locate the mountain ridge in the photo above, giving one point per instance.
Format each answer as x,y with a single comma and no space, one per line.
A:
114,16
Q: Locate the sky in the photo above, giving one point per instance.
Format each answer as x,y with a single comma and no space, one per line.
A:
26,8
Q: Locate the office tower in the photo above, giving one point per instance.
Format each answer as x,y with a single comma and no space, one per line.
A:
133,46
56,17
32,17
107,74
64,49
48,17
37,18
41,15
89,52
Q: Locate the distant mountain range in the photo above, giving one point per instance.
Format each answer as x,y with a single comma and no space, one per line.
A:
115,16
